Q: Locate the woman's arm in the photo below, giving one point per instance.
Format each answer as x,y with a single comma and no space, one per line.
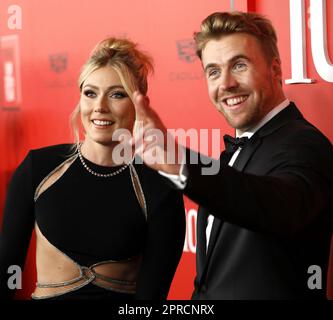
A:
164,240
17,224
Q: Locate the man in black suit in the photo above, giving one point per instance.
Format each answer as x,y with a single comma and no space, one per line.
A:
265,218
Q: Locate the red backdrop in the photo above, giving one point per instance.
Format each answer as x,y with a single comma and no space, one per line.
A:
56,37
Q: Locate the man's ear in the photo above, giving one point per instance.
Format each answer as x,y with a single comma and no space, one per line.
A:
276,69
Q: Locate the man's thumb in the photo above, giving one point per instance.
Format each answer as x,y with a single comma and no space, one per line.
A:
141,105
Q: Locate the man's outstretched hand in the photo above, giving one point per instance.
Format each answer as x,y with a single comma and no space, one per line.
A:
152,142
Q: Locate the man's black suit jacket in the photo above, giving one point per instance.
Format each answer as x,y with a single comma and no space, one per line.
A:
273,214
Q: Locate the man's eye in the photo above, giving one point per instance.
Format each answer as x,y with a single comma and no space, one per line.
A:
240,66
118,95
213,73
89,93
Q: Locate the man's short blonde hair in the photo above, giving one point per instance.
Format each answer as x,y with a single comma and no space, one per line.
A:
219,24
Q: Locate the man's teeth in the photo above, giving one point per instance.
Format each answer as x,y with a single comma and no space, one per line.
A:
102,122
237,100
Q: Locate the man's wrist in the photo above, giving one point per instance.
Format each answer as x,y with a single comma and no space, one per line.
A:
179,173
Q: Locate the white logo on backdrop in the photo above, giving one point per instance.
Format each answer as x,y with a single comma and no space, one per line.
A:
319,51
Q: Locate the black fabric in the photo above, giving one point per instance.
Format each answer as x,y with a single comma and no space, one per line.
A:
273,214
94,219
232,144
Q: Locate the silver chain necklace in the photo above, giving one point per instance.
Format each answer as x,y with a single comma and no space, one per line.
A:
101,175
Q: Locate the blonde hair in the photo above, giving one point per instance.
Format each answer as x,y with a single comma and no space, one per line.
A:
219,24
131,65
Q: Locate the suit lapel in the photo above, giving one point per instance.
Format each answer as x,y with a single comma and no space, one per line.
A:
201,239
240,163
217,224
289,113
246,153
203,253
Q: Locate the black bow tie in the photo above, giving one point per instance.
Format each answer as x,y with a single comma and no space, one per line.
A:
232,144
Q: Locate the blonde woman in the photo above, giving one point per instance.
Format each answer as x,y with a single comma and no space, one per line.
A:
105,230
